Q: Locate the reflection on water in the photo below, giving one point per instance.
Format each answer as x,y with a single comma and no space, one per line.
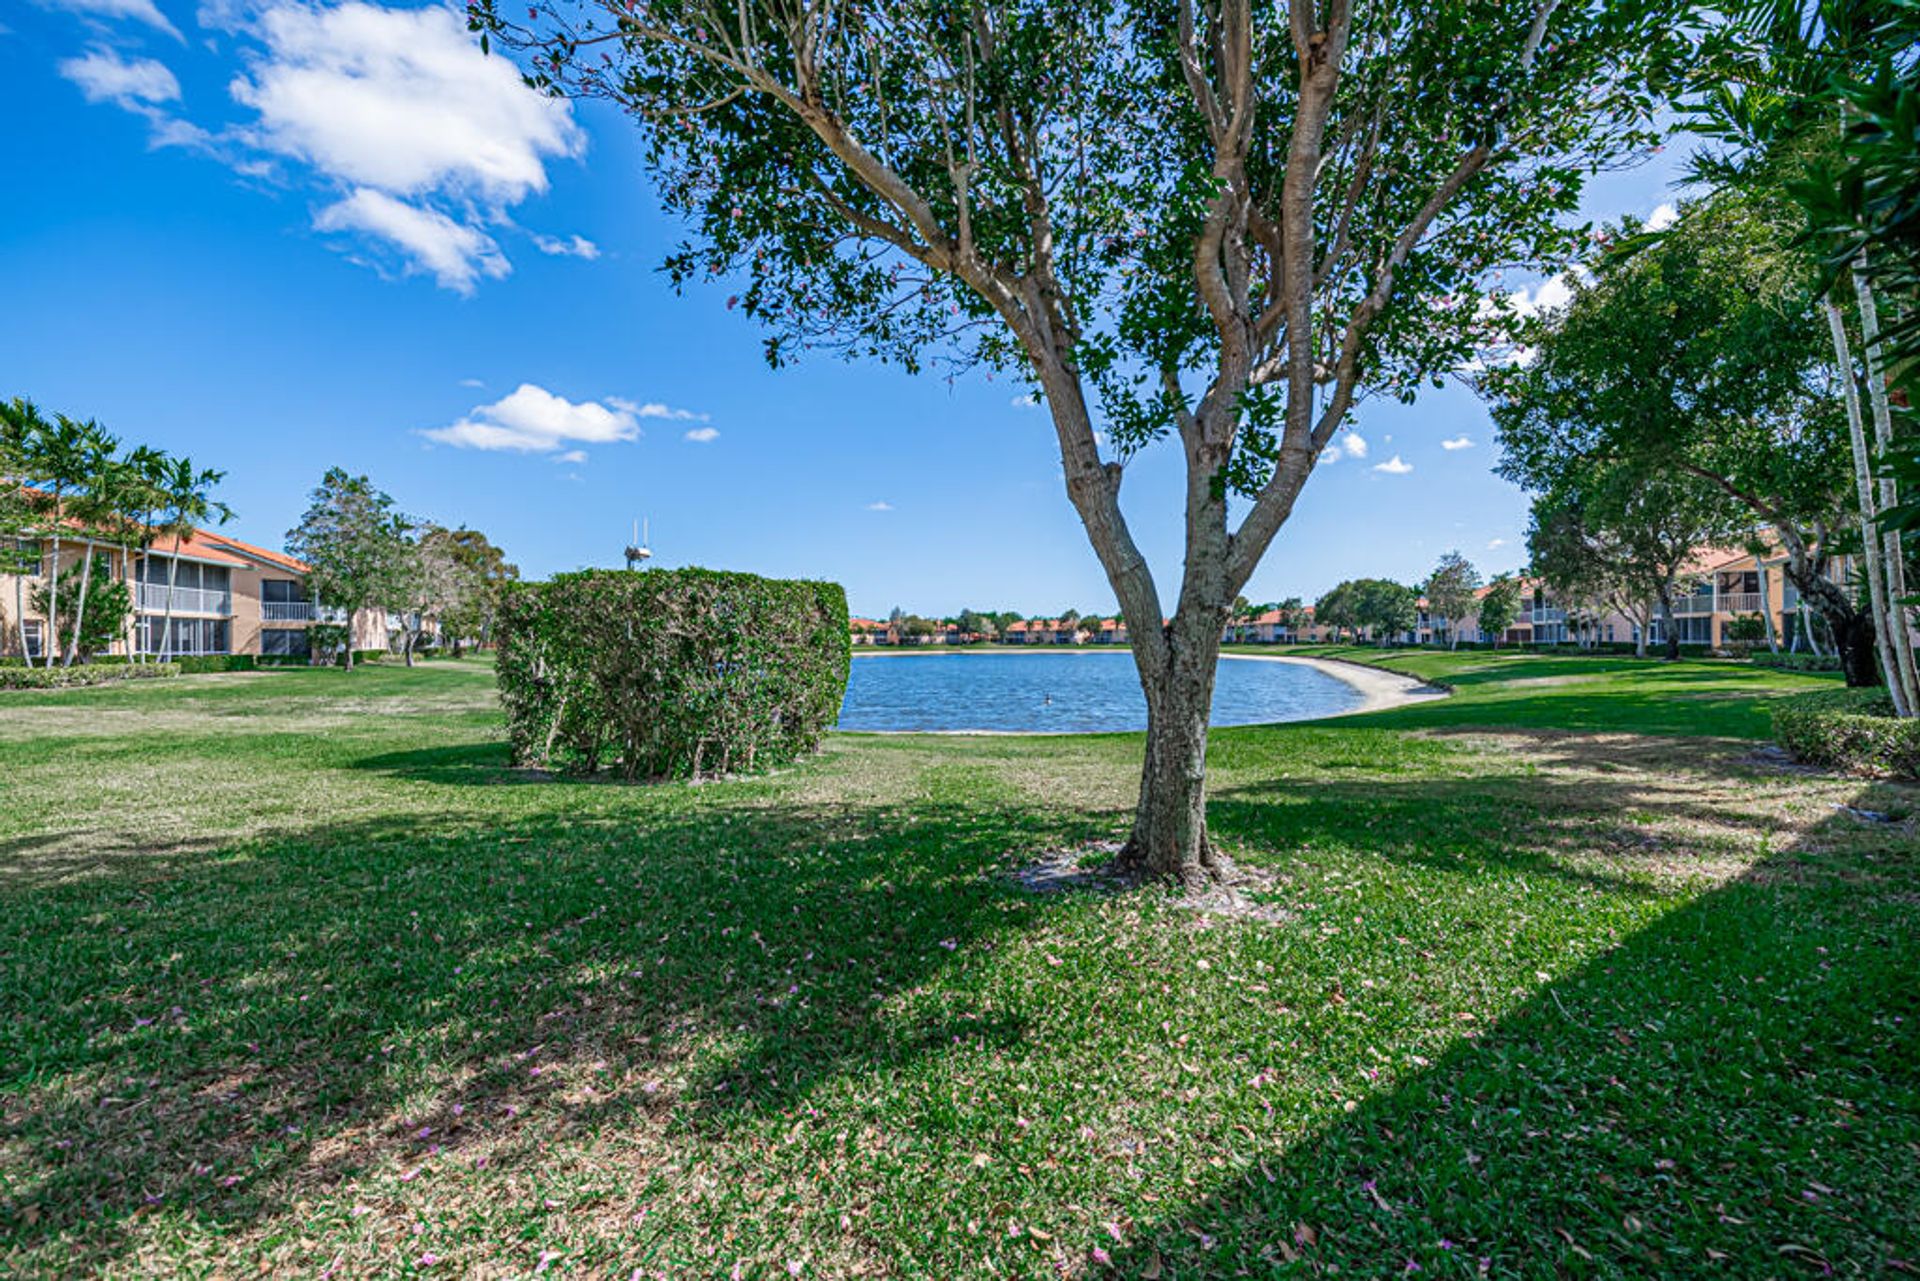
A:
1062,693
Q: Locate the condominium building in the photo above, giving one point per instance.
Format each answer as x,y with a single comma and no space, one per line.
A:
204,594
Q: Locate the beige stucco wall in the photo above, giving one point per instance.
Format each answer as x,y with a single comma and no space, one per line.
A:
244,624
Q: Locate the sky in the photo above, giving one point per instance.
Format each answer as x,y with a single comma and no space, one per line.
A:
279,236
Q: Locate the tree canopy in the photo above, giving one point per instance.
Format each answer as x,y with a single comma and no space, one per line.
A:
1220,224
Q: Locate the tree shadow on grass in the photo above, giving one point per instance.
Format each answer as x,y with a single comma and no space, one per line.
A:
1734,1089
222,1045
1649,806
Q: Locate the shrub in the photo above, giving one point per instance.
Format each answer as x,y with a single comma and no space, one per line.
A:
328,642
201,664
670,673
1792,662
1849,729
86,674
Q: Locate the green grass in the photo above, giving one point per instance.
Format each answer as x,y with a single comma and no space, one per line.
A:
297,977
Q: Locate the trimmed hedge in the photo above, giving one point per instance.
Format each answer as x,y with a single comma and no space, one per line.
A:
1849,729
85,674
202,664
670,673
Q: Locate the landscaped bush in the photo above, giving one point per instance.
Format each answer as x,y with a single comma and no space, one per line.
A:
670,673
201,664
1849,729
84,674
1792,662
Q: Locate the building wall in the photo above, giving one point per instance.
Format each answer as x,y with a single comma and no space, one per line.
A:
244,624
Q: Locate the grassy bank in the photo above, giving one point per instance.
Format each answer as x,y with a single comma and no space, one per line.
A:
297,976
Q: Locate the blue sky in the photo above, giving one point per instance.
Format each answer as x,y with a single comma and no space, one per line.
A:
279,236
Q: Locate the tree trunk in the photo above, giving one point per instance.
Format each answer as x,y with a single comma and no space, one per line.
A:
166,615
1672,648
1169,839
1892,554
79,605
52,645
1766,609
1806,630
1851,629
1640,634
1870,543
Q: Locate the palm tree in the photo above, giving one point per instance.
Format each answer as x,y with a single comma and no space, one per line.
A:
60,456
188,505
146,496
96,505
19,424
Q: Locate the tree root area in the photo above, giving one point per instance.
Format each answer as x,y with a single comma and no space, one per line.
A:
1227,893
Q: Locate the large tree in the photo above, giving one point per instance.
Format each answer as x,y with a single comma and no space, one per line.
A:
1385,608
1700,354
186,504
1452,593
480,569
357,545
1499,607
1814,100
1217,223
1607,535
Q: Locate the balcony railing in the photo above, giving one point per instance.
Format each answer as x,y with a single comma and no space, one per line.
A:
1741,602
1702,603
186,600
1549,616
286,611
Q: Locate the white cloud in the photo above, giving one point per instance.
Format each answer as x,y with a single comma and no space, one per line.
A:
882,506
402,101
1355,444
573,247
455,254
656,410
1495,544
572,456
103,76
1394,466
702,435
418,139
137,10
1662,217
534,420
472,382
1327,457
1028,400
1458,442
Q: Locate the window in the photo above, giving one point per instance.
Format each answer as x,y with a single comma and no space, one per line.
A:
284,642
36,638
283,591
1692,630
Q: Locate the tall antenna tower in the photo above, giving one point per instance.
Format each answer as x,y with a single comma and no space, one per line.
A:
638,553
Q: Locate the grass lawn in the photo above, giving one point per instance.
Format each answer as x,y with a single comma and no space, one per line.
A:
297,978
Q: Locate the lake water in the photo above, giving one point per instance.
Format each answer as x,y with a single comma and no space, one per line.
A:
1066,692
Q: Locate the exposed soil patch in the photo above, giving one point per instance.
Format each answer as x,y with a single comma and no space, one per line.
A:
1060,870
1057,871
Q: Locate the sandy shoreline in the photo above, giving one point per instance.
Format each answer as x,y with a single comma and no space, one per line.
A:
1378,689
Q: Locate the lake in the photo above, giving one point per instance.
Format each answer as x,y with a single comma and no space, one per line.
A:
1066,692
